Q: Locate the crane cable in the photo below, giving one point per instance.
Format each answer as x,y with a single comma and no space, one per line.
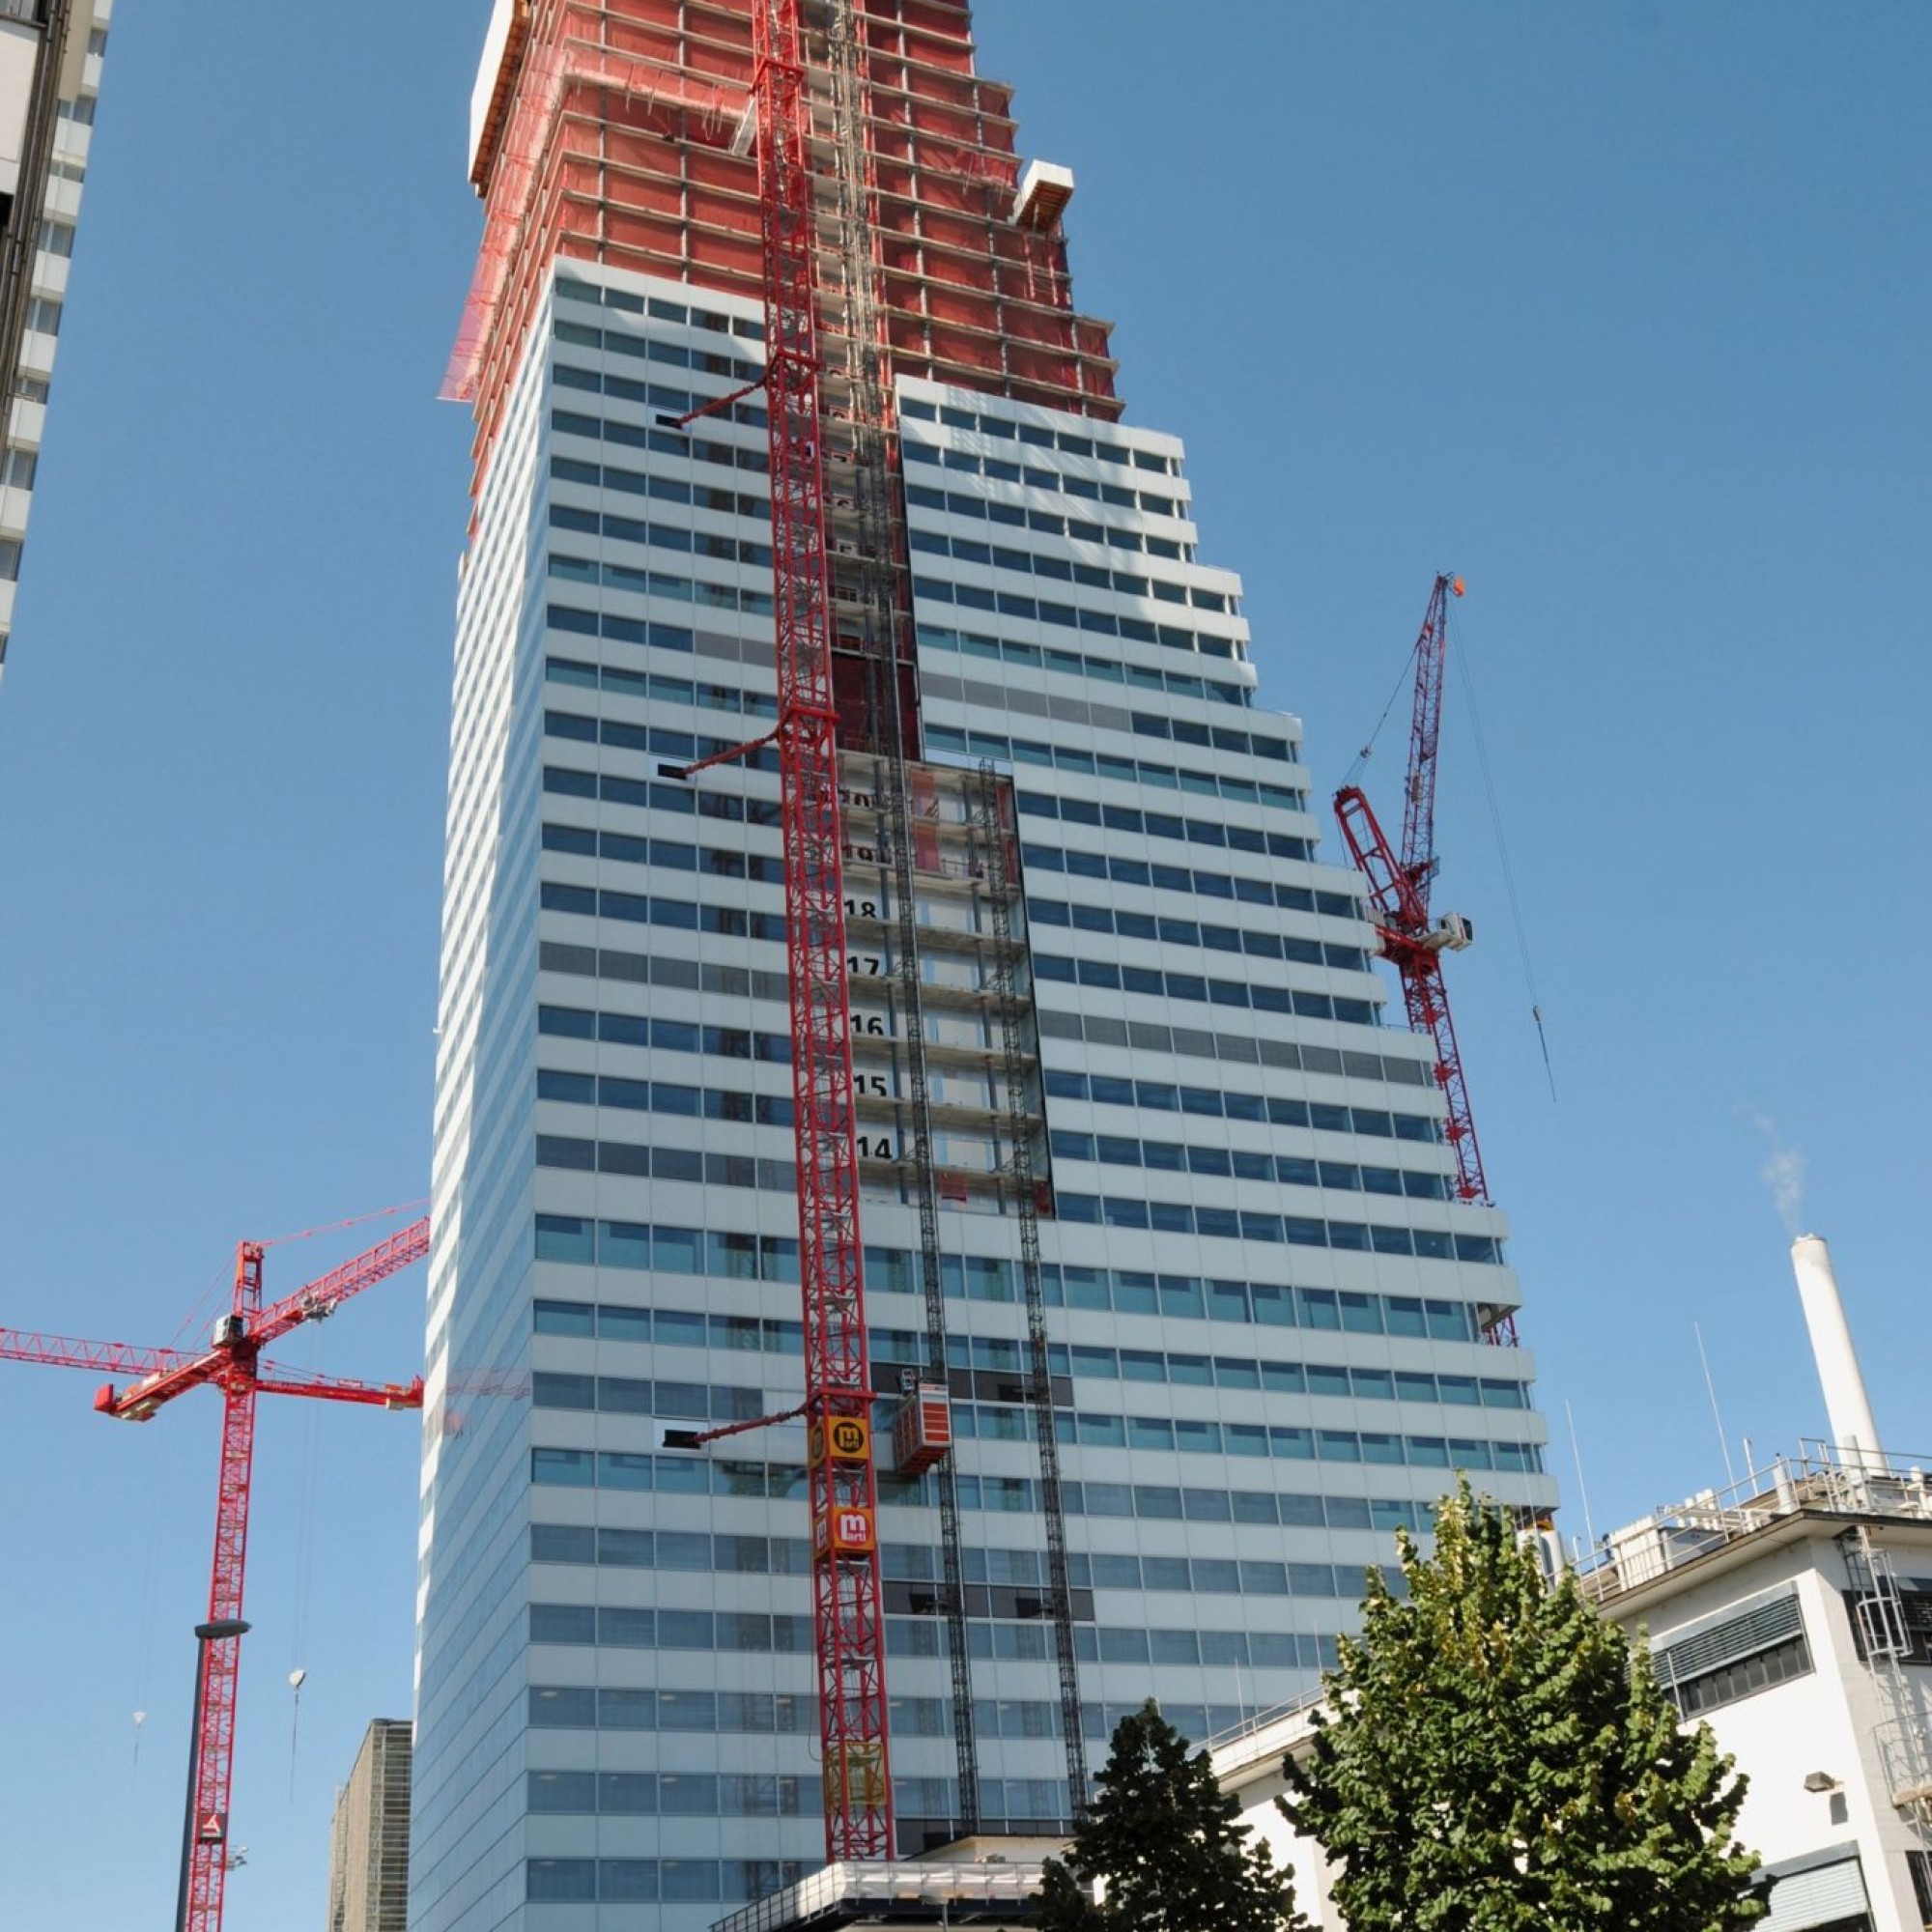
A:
315,1347
1460,659
1368,750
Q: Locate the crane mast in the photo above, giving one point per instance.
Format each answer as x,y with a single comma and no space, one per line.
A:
847,1600
1399,895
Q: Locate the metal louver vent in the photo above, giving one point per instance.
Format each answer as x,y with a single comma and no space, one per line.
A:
1728,1642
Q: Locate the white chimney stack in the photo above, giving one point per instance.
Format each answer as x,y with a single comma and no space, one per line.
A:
1847,1406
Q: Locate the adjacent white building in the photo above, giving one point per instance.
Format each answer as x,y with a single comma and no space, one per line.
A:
50,56
1792,1612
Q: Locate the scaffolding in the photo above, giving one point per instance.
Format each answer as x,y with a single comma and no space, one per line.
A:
1002,888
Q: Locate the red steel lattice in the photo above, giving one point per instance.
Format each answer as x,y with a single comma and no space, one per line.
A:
233,1364
1398,891
847,1600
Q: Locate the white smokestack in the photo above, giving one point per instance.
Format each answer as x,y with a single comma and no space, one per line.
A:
1847,1406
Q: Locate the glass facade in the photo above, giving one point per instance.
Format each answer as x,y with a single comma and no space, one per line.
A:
1264,1307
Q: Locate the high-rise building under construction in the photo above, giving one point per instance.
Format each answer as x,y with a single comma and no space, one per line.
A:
1154,1210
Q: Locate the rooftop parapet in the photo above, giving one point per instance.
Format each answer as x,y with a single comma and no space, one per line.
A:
1820,1480
984,1891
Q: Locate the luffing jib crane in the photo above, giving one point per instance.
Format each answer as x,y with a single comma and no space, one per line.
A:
1413,941
232,1363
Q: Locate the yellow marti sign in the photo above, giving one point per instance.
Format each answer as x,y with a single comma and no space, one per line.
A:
845,1439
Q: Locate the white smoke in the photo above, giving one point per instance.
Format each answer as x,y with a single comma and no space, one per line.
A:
1782,1173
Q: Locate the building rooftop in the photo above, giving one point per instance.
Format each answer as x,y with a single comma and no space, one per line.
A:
986,1891
1818,1481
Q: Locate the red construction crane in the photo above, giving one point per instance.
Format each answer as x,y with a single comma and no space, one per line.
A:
1399,894
847,1601
233,1364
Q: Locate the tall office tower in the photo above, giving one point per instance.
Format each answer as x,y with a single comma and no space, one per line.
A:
369,1836
1125,1094
49,77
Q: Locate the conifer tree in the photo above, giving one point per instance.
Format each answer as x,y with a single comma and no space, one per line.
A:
1169,1845
1495,1757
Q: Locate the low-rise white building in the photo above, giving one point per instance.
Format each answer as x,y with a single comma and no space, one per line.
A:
1794,1615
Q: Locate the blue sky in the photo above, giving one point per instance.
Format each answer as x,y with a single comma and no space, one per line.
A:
1618,311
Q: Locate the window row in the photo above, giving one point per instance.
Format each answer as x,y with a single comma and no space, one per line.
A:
1056,565
681,915
1175,931
657,583
572,1707
1003,1495
659,536
681,443
645,1794
994,1422
1286,1169
621,683
1247,1224
1163,1096
1109,669
659,397
671,855
1036,435
666,1036
1009,1421
1091,1363
1240,1048
979,507
664,1096
729,1255
1743,1678
653,795
1073,617
1031,1642
672,1794
650,1163
1122,1570
755,504
1003,1354
1235,834
644,969
698,1553
654,1881
1195,986
634,1394
1136,770
624,302
921,457
657,349
610,1627
654,739
1178,932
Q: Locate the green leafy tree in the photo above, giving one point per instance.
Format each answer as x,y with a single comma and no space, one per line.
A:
1169,1845
1494,1756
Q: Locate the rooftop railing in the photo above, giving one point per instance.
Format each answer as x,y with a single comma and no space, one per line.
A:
967,1892
1820,1479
